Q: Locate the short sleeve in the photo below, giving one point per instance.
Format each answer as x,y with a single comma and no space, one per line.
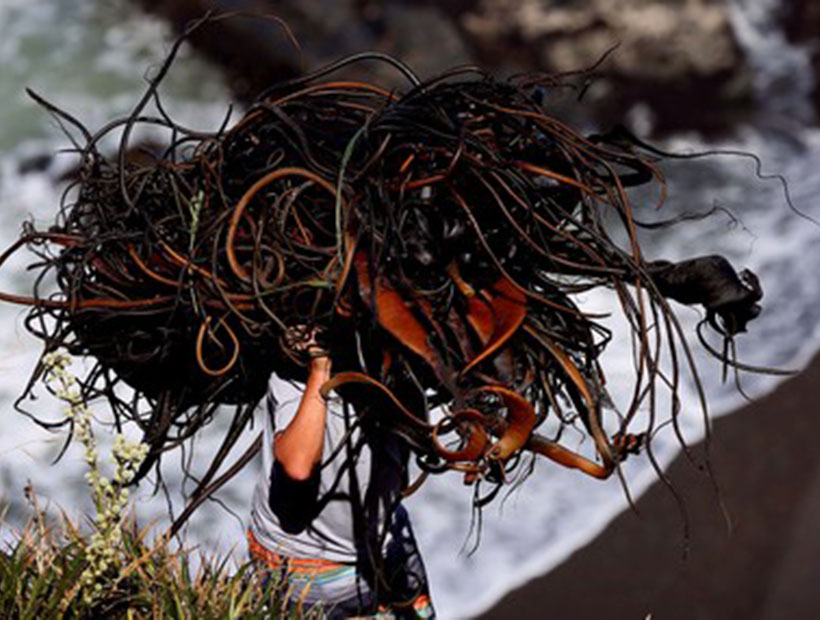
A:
277,408
282,402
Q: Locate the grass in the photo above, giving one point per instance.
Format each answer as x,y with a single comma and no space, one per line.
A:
55,569
41,576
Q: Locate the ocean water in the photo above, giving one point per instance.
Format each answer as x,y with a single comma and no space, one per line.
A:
93,65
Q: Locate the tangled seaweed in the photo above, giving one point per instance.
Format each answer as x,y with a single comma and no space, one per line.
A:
437,238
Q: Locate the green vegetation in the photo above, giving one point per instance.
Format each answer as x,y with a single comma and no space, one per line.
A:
56,570
42,575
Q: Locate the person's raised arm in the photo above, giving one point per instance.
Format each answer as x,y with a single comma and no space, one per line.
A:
298,447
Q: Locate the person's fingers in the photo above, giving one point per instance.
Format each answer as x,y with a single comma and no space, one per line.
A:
302,339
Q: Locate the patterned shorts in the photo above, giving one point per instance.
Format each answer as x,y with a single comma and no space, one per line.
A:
339,588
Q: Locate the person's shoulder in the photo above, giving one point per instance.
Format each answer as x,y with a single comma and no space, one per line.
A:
284,391
281,391
283,400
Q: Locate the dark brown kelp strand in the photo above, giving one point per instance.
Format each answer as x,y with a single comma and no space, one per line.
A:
438,238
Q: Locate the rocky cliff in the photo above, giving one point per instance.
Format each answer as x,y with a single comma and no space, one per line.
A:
677,65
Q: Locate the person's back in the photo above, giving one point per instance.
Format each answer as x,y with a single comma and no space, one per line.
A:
327,499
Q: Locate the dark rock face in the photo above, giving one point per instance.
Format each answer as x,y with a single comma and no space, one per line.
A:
253,52
801,23
257,52
762,568
678,57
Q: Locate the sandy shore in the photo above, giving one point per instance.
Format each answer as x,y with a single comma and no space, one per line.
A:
767,463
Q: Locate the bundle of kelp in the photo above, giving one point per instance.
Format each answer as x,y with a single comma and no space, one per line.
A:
437,238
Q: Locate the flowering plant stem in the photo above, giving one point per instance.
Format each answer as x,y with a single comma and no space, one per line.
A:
110,496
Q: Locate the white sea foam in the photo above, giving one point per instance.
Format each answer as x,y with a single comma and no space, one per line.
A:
555,511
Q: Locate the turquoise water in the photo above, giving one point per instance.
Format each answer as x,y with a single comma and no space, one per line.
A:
91,56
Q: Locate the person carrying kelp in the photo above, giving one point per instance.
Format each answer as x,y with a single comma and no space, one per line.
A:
329,496
435,240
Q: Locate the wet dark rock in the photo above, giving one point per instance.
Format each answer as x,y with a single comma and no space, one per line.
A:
253,52
257,52
35,163
801,23
679,57
143,153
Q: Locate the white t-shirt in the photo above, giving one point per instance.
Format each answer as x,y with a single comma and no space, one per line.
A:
331,534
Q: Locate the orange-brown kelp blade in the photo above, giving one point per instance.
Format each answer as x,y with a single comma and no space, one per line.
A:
520,422
563,456
477,440
601,442
394,316
344,378
509,308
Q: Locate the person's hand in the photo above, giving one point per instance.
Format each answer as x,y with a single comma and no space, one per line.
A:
302,340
